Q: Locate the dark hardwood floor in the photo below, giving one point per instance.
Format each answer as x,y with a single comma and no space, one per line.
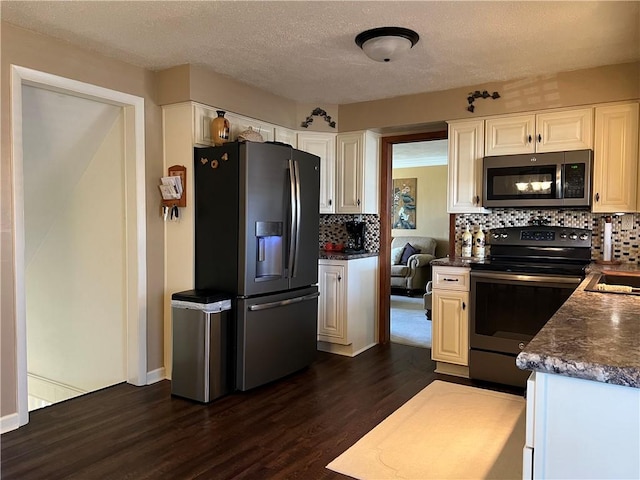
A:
291,428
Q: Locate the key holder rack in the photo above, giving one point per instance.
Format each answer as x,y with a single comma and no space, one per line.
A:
179,171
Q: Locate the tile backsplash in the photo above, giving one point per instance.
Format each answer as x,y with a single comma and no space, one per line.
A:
332,229
626,243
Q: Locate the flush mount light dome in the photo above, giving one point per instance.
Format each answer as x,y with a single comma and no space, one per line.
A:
386,44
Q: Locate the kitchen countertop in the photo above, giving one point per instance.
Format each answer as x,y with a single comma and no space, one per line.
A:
593,336
336,255
455,261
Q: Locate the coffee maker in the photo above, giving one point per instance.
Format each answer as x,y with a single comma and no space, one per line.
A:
356,236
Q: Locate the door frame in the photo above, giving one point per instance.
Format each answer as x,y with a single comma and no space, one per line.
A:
386,185
136,265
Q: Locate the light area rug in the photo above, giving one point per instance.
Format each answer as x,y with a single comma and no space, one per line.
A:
409,325
446,431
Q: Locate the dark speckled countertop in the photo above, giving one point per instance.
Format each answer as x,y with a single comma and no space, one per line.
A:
594,336
334,255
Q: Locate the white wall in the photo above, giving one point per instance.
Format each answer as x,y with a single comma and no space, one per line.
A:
75,239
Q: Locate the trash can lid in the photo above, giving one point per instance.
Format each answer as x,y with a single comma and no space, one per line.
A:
201,296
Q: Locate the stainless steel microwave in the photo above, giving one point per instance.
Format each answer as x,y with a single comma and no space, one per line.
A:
558,179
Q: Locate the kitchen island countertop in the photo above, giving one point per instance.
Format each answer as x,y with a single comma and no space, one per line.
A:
593,336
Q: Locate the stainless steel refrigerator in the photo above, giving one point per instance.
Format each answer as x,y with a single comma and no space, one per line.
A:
256,238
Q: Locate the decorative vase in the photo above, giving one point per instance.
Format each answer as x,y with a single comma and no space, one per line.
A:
220,129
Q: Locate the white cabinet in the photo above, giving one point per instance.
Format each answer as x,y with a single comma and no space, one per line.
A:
239,124
615,176
578,428
324,146
357,174
347,307
542,132
466,149
286,135
450,320
202,116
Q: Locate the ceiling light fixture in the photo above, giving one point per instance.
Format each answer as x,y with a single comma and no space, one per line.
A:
386,44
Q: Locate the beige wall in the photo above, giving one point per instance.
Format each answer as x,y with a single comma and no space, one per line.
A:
27,49
76,331
595,85
432,219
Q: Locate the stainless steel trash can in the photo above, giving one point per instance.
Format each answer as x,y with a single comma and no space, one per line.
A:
202,365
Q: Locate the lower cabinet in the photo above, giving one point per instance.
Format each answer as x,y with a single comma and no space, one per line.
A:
347,307
450,320
578,428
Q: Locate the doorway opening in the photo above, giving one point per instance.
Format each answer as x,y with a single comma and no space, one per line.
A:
410,172
124,115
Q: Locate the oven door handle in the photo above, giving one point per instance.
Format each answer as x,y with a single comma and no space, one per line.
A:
527,278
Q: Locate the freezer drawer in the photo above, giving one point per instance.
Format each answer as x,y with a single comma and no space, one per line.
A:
276,336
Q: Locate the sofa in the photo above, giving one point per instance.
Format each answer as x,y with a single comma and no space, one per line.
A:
410,263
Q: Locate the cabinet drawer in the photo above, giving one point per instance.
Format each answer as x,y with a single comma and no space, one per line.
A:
451,278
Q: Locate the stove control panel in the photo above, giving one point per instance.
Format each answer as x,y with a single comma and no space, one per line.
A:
548,236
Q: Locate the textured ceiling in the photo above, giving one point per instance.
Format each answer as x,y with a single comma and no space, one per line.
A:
305,50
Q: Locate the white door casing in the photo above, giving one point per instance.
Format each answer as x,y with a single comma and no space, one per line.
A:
136,306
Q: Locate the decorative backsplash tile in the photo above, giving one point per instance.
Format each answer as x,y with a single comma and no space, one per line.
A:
626,243
332,229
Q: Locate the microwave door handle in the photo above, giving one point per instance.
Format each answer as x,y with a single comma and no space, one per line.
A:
560,181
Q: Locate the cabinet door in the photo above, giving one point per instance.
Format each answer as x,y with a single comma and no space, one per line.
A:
350,155
286,135
568,130
324,146
239,124
615,158
450,327
466,149
332,325
510,135
202,117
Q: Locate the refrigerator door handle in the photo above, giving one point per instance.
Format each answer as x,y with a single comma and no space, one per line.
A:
295,215
289,301
296,167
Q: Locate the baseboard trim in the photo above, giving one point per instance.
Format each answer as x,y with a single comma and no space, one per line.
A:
9,422
345,350
451,369
156,375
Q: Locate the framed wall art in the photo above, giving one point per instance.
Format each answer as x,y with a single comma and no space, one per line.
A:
403,208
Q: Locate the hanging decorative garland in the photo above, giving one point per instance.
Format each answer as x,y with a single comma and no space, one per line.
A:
477,94
318,112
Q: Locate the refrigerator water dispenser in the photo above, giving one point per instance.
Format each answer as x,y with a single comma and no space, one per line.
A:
269,262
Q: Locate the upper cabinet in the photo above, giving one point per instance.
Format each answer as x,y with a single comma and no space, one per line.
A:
466,148
615,179
357,172
286,135
542,132
324,146
202,116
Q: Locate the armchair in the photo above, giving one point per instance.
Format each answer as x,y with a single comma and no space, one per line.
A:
413,274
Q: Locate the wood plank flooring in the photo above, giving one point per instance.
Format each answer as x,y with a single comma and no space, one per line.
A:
289,429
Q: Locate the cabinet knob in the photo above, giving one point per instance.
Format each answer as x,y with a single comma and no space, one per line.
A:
597,197
464,305
477,200
329,202
339,277
358,202
529,139
539,138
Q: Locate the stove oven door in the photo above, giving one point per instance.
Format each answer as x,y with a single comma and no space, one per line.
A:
506,311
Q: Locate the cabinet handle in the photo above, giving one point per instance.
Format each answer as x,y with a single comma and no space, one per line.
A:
597,197
358,202
477,200
529,138
329,202
450,279
464,305
339,277
539,138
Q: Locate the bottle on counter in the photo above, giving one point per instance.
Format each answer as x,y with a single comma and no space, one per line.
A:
467,241
478,243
